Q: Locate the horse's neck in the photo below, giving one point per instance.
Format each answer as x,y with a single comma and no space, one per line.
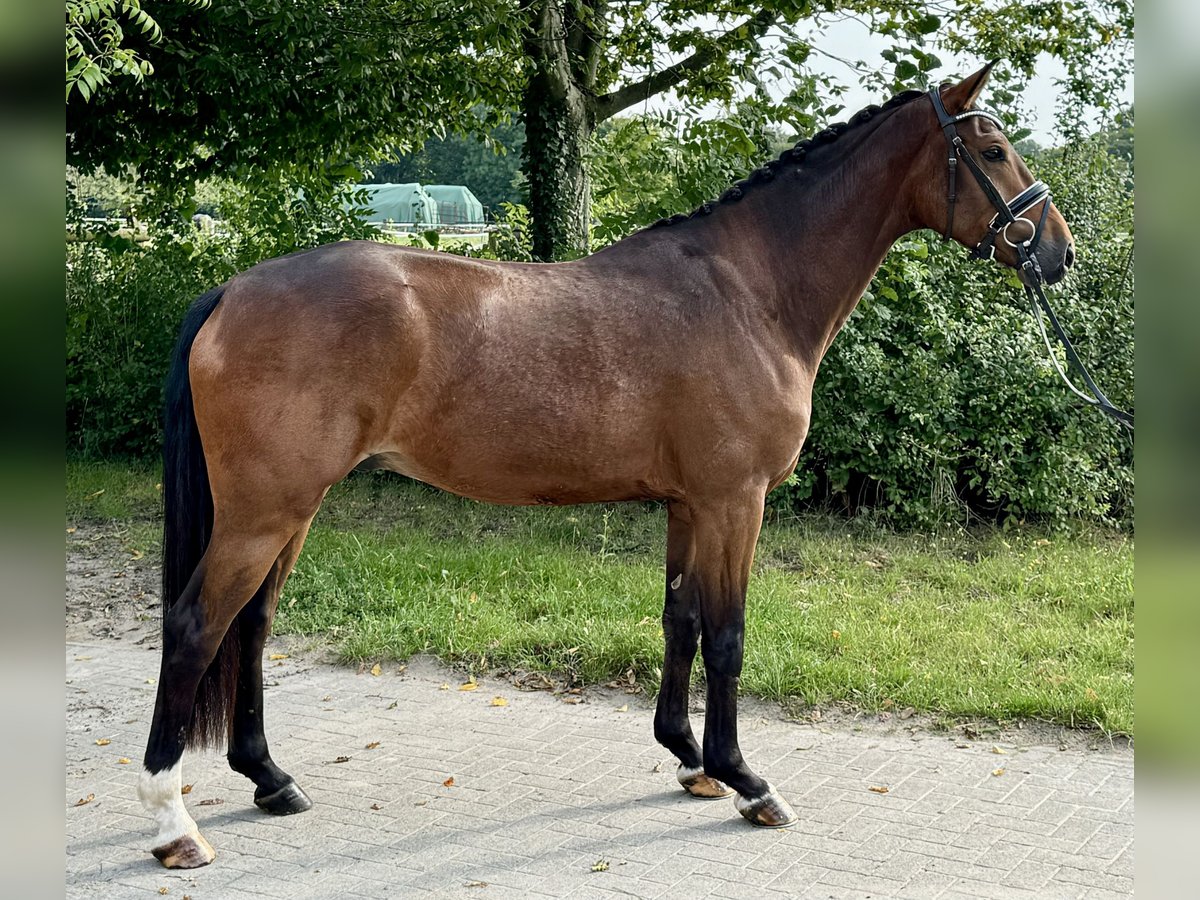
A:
813,242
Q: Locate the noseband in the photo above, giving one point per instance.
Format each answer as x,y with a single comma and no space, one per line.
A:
1009,213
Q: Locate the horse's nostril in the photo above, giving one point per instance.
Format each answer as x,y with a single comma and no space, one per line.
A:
1069,259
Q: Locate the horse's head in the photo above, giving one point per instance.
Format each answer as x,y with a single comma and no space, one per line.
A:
993,204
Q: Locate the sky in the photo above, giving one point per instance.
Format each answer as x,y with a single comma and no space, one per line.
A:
851,40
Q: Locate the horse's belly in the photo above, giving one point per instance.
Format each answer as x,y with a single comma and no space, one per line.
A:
512,474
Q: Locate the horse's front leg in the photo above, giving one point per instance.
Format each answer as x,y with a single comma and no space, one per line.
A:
726,531
681,634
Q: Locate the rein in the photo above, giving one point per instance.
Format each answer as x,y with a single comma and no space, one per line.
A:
1008,214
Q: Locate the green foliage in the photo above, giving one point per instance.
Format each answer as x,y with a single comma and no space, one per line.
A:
646,168
1093,41
301,215
1120,136
256,89
634,168
124,305
100,194
512,238
95,48
508,239
587,61
937,399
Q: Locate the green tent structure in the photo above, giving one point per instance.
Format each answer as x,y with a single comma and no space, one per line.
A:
404,204
456,204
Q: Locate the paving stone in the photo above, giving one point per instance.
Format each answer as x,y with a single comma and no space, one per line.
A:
925,885
544,790
1123,864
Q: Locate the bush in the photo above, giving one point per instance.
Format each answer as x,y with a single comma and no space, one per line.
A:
124,305
936,401
938,398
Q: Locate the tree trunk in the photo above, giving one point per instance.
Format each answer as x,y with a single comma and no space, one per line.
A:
558,126
557,132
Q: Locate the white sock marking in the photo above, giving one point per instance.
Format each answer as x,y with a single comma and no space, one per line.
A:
686,773
161,796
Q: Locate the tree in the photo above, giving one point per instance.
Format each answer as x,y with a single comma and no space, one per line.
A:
644,168
575,55
579,53
254,89
1119,136
259,90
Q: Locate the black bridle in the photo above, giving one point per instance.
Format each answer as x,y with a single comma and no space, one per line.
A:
1010,213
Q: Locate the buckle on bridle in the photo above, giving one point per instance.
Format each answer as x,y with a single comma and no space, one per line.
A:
1030,268
986,249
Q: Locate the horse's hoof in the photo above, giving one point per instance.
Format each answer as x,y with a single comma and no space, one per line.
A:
699,785
188,852
768,811
286,801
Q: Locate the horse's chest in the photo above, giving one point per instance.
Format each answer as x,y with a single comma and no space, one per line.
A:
780,443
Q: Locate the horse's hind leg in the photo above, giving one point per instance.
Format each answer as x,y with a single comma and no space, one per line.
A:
681,634
233,567
276,791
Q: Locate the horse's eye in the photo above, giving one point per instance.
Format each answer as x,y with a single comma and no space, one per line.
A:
994,154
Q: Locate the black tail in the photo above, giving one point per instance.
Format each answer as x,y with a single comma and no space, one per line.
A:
187,526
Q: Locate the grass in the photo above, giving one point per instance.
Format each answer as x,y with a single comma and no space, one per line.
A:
980,623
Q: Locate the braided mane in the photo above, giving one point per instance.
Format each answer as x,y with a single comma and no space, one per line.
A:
793,155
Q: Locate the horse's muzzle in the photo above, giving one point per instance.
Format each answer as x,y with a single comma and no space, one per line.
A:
1054,260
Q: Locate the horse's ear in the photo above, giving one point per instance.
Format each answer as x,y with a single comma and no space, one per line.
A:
962,96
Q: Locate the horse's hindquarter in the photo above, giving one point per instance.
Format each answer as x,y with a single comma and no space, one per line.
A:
297,366
510,383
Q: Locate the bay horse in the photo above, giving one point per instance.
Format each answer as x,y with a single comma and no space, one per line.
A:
675,365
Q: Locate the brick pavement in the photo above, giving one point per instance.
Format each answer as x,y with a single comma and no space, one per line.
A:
544,791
